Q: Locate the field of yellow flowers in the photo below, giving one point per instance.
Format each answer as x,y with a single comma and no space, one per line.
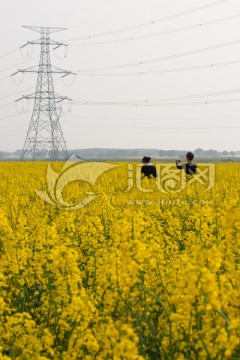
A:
135,273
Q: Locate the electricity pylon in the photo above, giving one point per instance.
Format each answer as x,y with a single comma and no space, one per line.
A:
45,136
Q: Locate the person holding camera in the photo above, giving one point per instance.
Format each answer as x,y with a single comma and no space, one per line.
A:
190,168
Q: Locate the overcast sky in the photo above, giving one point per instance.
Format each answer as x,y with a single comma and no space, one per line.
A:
150,105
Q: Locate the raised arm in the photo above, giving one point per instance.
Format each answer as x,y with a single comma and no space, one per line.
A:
178,166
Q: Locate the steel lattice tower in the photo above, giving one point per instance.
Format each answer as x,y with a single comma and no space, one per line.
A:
45,136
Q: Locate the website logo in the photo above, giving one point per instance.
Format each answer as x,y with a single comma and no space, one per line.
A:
73,170
170,179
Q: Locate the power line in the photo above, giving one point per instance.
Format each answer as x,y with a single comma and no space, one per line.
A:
127,14
184,28
192,96
168,57
12,116
161,127
16,93
155,119
9,53
153,72
146,101
149,23
14,66
5,78
147,104
216,93
4,105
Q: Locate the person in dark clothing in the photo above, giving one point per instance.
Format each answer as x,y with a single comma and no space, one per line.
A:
190,168
148,169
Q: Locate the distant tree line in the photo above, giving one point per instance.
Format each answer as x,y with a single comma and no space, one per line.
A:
154,153
198,153
109,153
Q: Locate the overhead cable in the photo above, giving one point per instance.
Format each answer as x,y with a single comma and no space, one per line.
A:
160,101
215,93
14,66
164,58
16,93
9,53
139,37
209,118
5,78
4,105
152,22
158,127
12,116
153,72
147,104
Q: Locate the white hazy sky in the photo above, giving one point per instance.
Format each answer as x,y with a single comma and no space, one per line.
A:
183,26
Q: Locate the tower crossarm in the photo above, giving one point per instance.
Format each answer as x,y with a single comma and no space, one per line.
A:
43,96
44,41
54,70
39,29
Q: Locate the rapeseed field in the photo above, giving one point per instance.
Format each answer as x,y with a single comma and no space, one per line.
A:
138,271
